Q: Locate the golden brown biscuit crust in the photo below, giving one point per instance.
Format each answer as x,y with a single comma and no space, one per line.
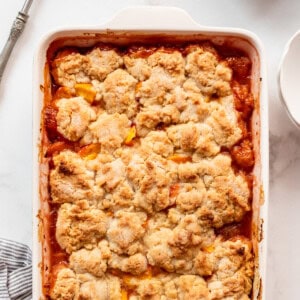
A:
149,179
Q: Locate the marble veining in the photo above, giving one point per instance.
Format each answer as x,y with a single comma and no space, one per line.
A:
284,153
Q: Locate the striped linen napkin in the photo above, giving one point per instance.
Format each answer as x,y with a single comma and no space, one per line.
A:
15,271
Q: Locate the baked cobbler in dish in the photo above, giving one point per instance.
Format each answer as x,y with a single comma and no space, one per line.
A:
150,158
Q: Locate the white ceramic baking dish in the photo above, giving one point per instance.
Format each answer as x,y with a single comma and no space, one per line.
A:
142,23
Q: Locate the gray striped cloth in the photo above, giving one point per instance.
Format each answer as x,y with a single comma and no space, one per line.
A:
15,271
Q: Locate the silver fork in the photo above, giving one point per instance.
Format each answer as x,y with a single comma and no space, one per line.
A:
15,32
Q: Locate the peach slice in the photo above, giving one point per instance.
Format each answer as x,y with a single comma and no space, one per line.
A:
63,92
209,249
174,190
56,148
130,136
180,158
85,90
90,151
127,279
124,294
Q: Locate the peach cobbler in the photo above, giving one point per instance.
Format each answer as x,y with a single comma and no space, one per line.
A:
149,167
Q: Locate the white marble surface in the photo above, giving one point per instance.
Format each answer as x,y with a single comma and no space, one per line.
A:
274,21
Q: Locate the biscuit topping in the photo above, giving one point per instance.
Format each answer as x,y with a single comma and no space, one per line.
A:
148,165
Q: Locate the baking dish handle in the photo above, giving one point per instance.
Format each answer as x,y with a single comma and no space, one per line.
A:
153,18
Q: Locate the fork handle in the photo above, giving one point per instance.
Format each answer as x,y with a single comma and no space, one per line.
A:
15,32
